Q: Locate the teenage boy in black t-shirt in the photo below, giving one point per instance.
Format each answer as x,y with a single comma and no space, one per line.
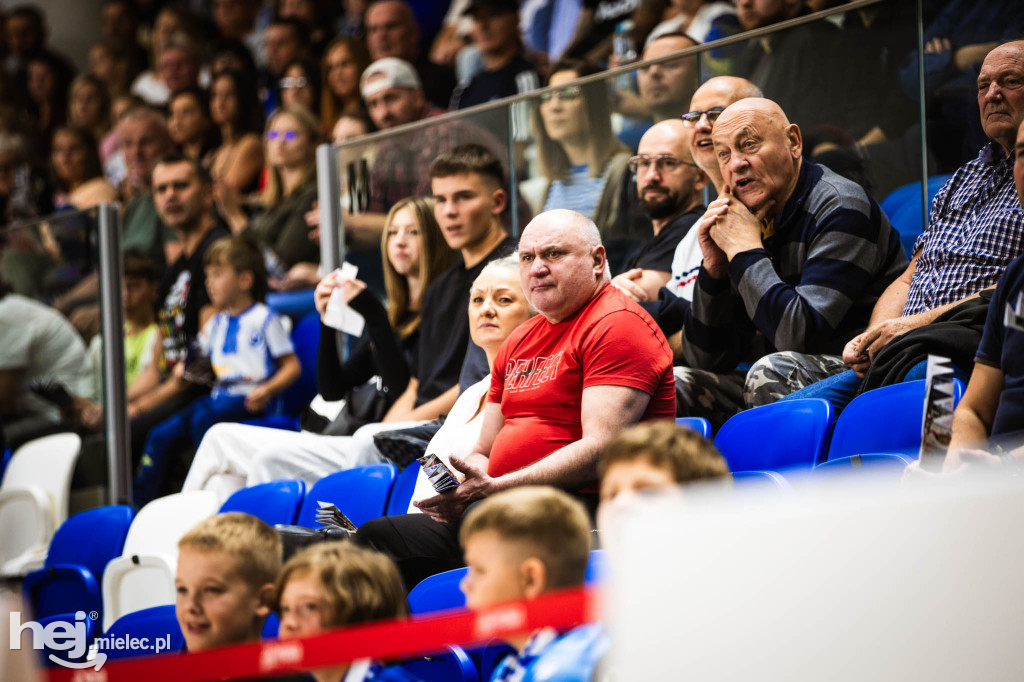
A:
468,183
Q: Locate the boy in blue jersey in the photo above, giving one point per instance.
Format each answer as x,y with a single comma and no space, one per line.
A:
523,543
248,348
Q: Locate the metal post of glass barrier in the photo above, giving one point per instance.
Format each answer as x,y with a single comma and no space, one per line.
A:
332,231
112,328
922,112
513,182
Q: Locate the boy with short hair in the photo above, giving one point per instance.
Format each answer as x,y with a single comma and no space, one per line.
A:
523,543
652,457
243,342
143,350
225,580
657,455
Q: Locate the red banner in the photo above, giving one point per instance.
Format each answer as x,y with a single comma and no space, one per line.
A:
383,641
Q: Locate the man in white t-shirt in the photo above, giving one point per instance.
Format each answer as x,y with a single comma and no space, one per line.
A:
36,344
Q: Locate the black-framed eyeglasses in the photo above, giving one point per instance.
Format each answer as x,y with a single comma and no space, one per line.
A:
665,163
293,82
690,118
567,93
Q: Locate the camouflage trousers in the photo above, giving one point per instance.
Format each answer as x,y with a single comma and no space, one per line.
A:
777,375
716,397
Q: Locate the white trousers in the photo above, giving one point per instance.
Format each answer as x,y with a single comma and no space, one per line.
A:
234,456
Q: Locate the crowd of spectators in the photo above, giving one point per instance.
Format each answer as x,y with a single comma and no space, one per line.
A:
699,239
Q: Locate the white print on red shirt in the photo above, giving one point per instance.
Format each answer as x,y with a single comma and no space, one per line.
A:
522,375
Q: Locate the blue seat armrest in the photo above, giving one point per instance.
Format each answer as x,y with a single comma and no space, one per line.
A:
86,581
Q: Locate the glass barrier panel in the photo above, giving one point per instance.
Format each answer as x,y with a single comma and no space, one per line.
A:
50,266
376,176
838,78
957,38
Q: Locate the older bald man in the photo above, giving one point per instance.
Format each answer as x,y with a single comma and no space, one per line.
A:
974,230
794,256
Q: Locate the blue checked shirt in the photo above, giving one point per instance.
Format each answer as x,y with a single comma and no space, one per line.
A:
976,227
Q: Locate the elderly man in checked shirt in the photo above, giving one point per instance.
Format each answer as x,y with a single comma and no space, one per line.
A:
975,229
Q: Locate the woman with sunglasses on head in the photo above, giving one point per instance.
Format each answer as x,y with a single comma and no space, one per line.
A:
582,162
300,84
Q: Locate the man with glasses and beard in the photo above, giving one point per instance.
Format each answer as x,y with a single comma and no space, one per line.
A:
668,185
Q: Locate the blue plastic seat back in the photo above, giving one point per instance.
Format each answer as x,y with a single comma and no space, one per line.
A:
79,553
439,592
401,493
761,479
5,459
157,621
880,463
783,435
273,502
87,624
295,398
271,626
293,304
360,493
698,424
452,665
887,419
903,207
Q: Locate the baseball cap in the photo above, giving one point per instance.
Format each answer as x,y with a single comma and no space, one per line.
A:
390,72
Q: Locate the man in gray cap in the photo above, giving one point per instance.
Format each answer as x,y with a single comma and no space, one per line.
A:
394,97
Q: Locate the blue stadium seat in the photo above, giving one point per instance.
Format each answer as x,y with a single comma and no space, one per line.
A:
4,459
283,410
783,435
89,624
360,493
441,592
156,621
270,626
761,479
293,304
274,502
698,424
71,577
887,419
882,463
453,665
903,207
401,493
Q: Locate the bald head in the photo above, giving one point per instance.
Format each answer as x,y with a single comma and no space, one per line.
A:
759,153
562,263
1001,93
720,91
572,223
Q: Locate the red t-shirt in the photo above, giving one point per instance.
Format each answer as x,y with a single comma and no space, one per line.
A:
542,368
